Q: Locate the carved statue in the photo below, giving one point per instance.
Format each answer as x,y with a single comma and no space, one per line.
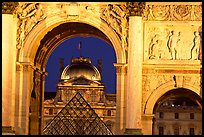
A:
196,46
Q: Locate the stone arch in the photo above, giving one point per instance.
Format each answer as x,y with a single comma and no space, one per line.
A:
30,49
32,41
156,94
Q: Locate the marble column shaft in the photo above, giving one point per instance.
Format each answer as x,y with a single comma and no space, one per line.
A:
134,83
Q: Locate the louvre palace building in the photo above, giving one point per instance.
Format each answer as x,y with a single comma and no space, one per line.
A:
158,48
81,76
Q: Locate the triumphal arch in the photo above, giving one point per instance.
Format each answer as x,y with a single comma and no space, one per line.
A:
157,46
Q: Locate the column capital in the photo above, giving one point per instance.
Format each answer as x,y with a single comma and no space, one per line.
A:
121,68
135,8
26,66
8,7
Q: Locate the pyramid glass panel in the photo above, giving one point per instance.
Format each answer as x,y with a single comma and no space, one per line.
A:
77,118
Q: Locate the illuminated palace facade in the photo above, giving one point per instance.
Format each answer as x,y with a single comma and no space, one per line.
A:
81,76
158,47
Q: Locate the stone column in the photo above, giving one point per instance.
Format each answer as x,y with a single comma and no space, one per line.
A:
134,75
121,72
8,67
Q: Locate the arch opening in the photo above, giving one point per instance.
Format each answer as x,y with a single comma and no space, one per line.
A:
47,45
177,112
180,93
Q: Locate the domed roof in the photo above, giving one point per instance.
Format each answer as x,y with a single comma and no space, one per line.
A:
81,67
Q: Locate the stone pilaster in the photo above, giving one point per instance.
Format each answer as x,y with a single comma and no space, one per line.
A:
8,70
121,72
18,98
134,75
27,80
147,121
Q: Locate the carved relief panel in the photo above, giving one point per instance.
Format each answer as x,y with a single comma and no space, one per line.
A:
172,31
172,42
162,11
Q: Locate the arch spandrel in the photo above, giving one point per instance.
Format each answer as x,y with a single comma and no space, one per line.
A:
156,94
32,41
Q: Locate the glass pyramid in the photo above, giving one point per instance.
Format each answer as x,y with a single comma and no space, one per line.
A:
77,118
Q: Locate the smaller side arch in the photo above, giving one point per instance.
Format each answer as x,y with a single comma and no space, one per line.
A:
156,94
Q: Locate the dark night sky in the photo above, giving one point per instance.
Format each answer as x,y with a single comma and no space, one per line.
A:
93,48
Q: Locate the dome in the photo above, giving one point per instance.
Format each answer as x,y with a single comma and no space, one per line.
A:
81,67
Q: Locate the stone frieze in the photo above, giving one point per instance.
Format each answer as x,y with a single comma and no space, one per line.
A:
173,42
173,13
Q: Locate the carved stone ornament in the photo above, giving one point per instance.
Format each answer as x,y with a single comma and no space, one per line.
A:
173,12
121,69
29,15
115,15
135,8
174,43
9,7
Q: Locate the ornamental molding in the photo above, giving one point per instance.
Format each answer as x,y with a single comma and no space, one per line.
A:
30,14
121,68
9,7
116,16
135,8
173,12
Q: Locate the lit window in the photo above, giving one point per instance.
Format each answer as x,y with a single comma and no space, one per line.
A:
50,111
191,115
176,115
161,130
55,111
192,131
109,112
176,131
93,96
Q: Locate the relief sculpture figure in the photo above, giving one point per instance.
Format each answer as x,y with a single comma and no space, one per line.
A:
113,19
179,46
172,44
196,46
155,51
